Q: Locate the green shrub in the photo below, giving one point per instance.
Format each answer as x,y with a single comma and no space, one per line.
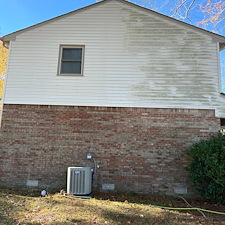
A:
207,167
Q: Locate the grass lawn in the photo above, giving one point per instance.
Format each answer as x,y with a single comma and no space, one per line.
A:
57,209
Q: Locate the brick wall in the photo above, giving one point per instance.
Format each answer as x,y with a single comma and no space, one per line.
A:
137,149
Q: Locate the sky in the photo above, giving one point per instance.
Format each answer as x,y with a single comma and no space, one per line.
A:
19,14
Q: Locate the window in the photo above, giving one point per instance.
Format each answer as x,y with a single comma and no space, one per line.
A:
222,122
71,60
222,68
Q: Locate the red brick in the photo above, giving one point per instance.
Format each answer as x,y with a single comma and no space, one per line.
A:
138,149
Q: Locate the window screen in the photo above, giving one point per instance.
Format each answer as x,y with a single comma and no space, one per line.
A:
71,60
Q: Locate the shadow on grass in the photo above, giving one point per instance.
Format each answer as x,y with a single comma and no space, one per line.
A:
135,219
147,217
162,200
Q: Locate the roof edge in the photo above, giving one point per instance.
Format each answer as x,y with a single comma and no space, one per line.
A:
216,37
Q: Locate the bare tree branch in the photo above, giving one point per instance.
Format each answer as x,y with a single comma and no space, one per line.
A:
207,13
178,7
165,3
189,8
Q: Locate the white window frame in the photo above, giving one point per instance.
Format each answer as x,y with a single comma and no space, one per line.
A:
60,60
219,50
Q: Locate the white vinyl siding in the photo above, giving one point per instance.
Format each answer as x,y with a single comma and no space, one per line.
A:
132,59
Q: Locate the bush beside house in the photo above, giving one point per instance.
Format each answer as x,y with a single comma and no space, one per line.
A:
207,168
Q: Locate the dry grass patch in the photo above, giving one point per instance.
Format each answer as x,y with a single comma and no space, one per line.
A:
58,210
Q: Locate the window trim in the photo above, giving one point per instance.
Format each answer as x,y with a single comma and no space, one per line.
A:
219,50
61,47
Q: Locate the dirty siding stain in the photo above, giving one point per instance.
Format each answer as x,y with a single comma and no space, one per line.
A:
176,64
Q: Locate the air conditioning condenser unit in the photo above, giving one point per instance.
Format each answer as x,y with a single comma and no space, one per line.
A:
79,180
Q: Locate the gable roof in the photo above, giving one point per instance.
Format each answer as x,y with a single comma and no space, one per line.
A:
216,37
